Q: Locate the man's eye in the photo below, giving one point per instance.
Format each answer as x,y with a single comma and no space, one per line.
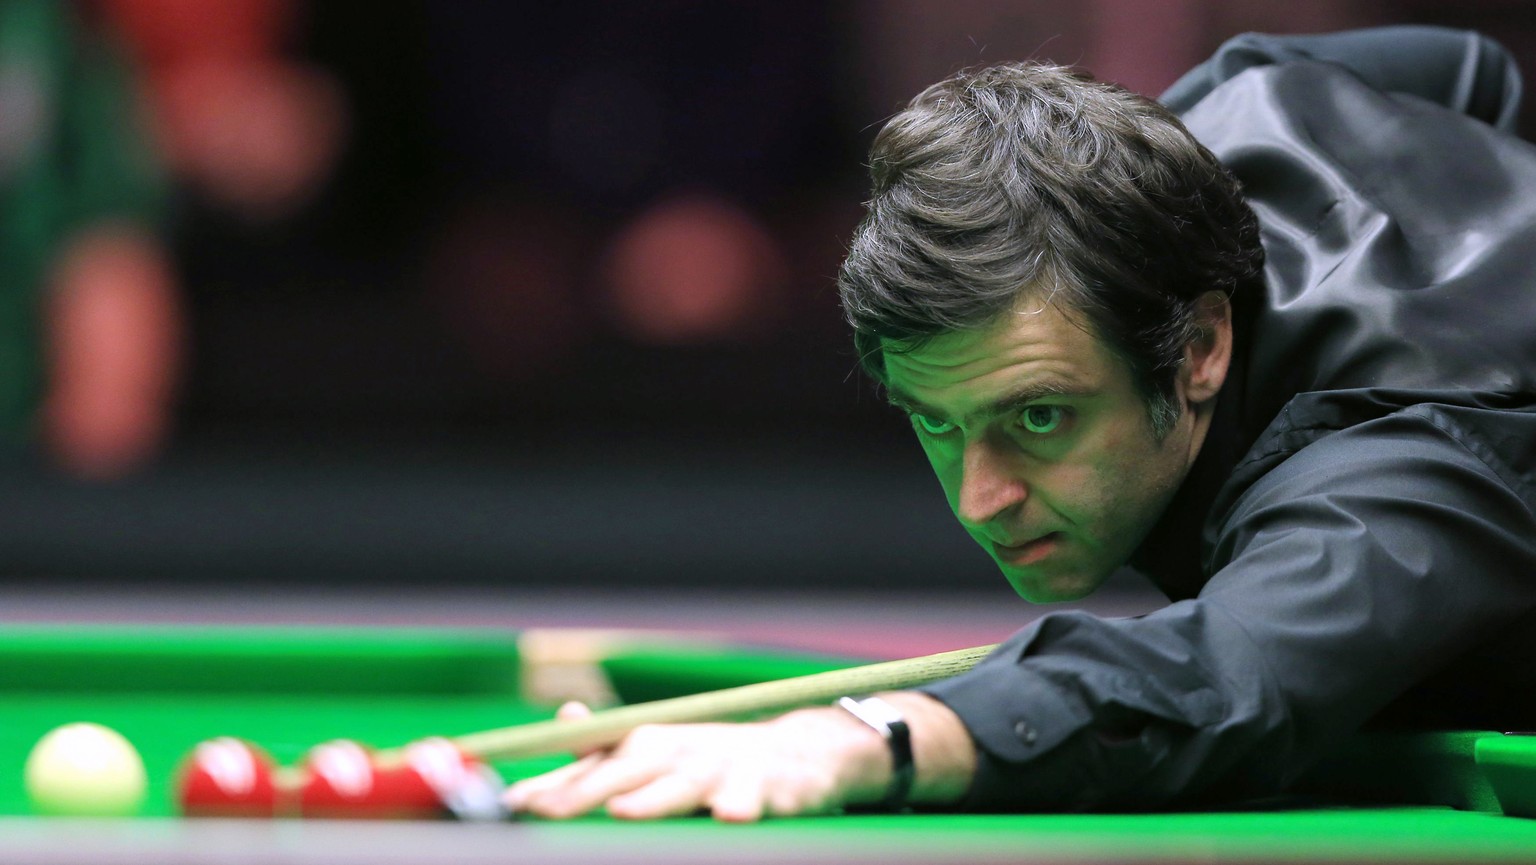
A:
932,425
1042,419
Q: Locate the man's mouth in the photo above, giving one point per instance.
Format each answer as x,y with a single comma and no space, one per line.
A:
1029,552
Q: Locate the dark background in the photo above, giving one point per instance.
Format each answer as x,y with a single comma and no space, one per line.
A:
426,371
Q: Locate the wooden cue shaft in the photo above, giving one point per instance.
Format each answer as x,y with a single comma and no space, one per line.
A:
607,727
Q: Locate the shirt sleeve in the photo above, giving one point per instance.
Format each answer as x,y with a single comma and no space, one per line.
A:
1358,566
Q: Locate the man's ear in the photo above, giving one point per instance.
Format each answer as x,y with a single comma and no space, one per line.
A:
1207,356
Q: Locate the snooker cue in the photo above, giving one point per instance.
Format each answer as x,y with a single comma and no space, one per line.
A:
607,727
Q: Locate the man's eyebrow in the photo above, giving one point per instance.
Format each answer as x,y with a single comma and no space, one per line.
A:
906,403
1018,399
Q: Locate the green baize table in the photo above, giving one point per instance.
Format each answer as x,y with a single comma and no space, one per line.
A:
1419,798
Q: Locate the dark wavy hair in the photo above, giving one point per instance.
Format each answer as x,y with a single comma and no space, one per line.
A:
1023,178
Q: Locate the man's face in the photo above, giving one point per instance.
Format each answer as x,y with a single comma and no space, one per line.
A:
1043,446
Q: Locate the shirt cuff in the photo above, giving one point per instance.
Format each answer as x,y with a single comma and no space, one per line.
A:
1016,718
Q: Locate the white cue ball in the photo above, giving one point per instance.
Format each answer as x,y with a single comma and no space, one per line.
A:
85,770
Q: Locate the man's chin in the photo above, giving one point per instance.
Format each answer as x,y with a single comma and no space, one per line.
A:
1042,588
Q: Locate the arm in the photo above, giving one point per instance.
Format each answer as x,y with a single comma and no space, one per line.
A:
808,761
1357,567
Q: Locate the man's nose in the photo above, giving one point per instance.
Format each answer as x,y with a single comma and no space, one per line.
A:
989,484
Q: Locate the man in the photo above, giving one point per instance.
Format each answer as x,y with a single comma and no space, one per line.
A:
1324,459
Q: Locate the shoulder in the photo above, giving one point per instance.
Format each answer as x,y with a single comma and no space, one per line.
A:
1360,459
1460,69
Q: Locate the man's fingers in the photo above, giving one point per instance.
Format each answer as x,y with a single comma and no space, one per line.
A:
739,797
518,795
672,795
803,795
740,773
613,776
573,711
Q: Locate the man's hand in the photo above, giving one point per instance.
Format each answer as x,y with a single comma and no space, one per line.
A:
806,762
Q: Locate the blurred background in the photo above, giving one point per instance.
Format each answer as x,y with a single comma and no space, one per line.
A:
492,296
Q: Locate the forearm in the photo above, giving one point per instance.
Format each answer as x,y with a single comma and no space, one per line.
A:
1079,712
942,750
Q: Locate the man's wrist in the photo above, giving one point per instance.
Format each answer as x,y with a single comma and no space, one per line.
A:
943,752
887,721
859,755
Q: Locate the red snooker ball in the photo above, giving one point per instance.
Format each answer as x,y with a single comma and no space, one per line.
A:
465,788
227,777
430,780
339,782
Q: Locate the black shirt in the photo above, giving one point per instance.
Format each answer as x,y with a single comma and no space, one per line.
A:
1356,539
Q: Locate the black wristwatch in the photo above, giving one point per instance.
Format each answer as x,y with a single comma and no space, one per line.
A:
886,720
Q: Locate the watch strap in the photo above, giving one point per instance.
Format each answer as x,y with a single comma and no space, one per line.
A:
888,721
